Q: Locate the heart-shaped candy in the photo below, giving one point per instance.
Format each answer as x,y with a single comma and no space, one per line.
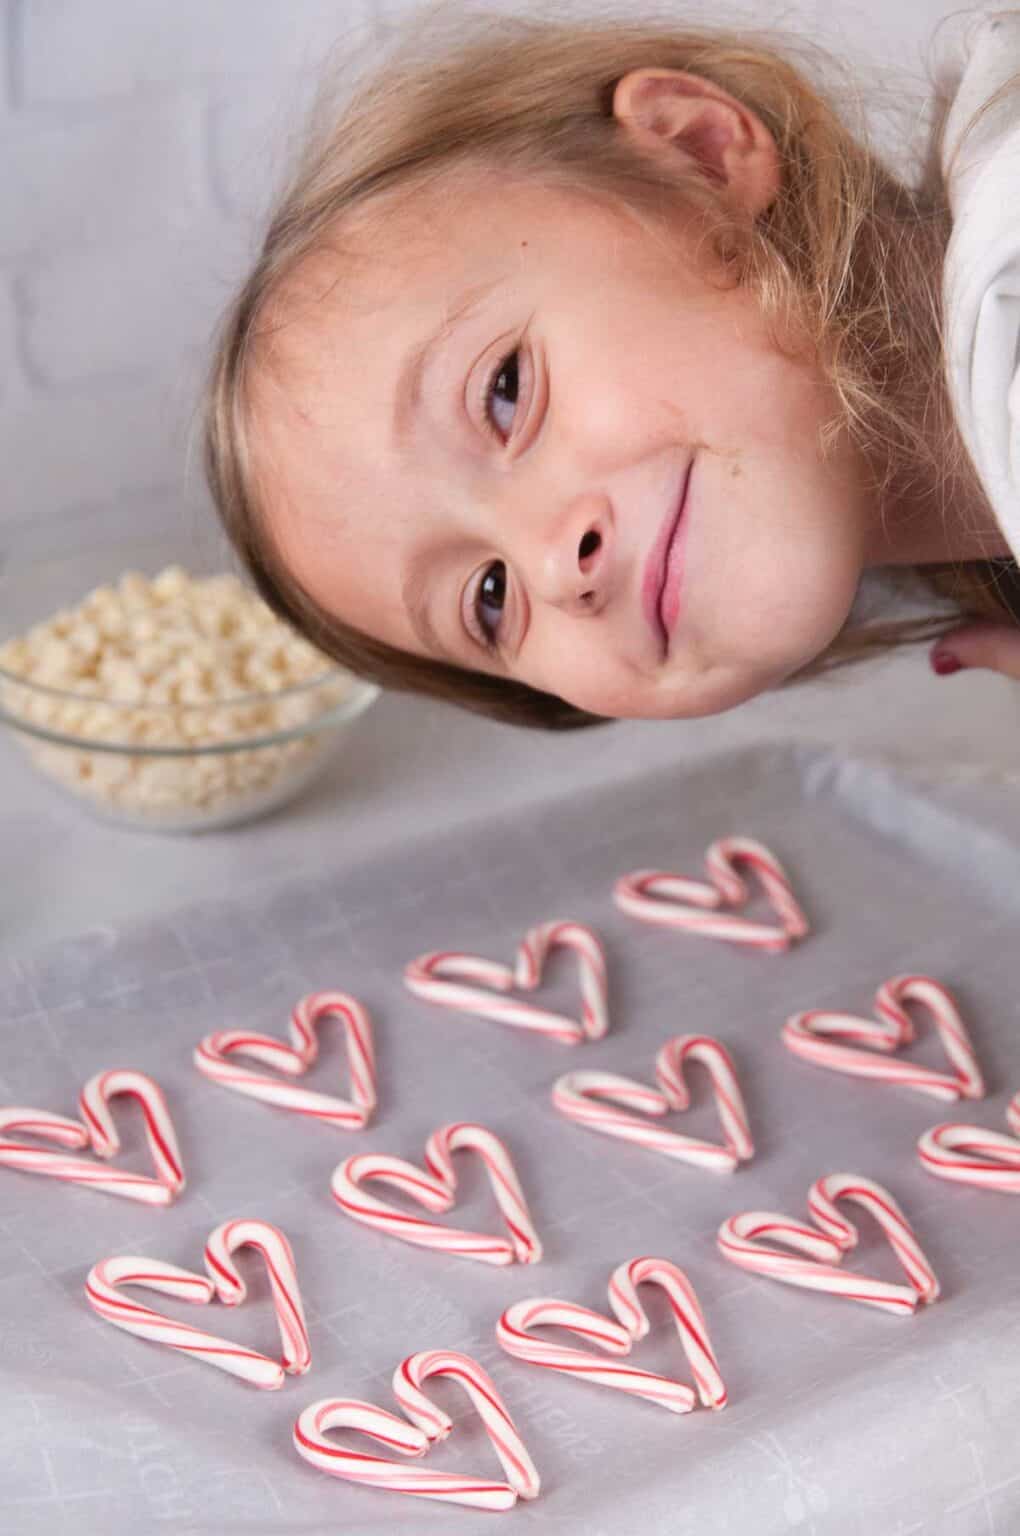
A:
430,1425
592,1099
436,1190
813,1034
215,1057
103,1290
514,1334
749,1239
97,1130
443,977
676,901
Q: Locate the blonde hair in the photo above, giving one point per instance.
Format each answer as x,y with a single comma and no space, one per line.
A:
848,258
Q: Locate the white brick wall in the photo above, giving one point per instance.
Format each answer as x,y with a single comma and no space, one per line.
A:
138,294
67,51
140,145
107,439
140,142
98,178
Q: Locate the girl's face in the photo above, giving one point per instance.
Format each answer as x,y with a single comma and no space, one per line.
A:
598,477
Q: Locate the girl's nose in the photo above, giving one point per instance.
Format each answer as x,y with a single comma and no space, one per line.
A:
575,565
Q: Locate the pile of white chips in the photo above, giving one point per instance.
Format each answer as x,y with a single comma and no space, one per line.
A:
176,661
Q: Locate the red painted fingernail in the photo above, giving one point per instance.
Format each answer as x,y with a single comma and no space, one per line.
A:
944,663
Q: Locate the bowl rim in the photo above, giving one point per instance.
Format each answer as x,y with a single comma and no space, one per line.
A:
360,697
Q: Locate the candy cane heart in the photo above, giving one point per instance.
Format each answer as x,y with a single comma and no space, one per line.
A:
472,984
435,1187
845,1043
96,1130
749,1240
103,1290
312,1441
692,906
969,1154
514,1333
424,1427
622,1106
216,1058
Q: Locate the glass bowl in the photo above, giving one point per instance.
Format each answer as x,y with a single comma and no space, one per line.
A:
166,767
107,754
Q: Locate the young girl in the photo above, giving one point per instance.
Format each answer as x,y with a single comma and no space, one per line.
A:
587,368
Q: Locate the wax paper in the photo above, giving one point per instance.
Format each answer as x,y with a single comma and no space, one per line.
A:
842,1420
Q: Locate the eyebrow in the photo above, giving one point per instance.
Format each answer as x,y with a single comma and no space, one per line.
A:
408,391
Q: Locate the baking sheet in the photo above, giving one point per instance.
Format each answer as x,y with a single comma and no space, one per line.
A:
842,1420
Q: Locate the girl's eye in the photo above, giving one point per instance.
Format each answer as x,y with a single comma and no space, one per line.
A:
487,603
503,381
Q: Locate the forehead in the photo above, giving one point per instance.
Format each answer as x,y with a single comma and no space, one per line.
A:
417,248
334,334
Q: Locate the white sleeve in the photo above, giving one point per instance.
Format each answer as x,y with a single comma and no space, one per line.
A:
981,281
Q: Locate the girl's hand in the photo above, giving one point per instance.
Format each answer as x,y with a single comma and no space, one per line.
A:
979,644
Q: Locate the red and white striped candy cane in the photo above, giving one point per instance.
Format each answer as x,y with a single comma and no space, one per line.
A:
676,901
65,1133
441,977
93,1104
713,1055
969,1154
312,1443
534,950
594,1099
886,1211
513,1332
215,1059
98,1132
812,1034
466,1136
278,1256
687,1313
602,1101
740,1241
435,1189
102,1288
408,1378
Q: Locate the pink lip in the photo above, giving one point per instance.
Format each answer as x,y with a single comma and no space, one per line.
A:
660,585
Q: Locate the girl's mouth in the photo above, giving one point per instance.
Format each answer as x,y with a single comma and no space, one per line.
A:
660,586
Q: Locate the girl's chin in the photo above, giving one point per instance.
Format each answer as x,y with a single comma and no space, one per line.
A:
712,688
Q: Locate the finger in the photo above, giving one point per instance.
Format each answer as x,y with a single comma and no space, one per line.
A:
993,646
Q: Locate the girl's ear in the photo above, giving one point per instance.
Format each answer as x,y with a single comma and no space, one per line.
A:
668,112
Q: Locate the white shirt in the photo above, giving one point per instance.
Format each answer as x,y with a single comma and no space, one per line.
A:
981,278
